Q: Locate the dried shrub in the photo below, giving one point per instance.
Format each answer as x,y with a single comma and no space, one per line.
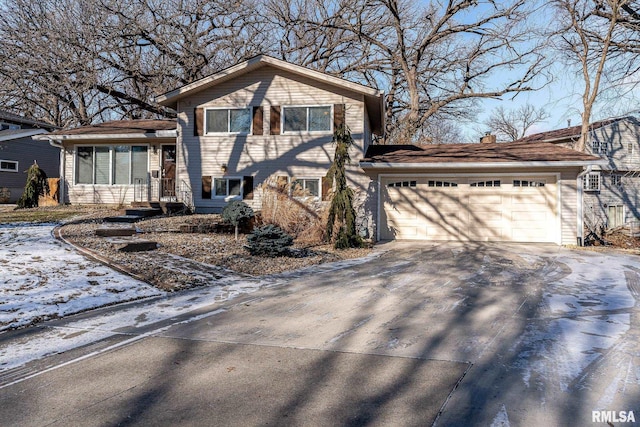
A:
302,217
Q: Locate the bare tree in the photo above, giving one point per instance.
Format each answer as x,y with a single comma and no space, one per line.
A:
511,125
433,59
588,30
73,62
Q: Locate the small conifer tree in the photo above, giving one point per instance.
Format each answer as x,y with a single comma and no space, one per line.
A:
342,215
236,213
36,186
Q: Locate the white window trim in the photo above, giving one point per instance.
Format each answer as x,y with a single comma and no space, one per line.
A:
307,132
227,197
529,181
111,164
616,177
306,178
10,170
586,181
206,120
602,147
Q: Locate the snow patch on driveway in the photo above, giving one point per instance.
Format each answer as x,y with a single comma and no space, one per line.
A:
40,278
584,315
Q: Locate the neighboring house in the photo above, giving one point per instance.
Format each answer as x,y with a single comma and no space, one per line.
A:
268,118
612,190
18,151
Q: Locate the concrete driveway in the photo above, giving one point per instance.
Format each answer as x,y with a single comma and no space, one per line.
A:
444,334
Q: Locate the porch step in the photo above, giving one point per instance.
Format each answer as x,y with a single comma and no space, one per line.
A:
124,218
166,207
143,212
133,244
115,232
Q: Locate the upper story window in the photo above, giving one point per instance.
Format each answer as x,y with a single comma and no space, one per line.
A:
591,181
103,164
307,119
598,147
8,166
616,180
228,120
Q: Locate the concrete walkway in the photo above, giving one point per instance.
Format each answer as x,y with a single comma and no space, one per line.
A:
443,334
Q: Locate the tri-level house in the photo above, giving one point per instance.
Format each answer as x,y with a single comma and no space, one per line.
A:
266,118
612,189
18,151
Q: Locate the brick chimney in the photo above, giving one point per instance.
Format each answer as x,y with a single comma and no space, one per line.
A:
488,138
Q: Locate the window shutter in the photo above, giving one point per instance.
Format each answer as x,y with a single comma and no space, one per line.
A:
338,116
274,120
327,186
206,187
198,122
247,187
258,121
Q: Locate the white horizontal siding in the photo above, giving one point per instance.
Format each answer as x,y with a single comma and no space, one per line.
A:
260,156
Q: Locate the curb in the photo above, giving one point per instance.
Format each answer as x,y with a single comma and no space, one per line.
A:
57,234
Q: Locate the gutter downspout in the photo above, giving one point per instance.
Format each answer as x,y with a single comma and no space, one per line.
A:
62,170
581,204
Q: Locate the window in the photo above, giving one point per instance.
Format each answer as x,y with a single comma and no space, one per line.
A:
306,187
598,147
442,184
630,148
227,187
615,216
591,182
402,184
8,166
10,126
495,183
105,165
616,180
228,120
528,183
307,119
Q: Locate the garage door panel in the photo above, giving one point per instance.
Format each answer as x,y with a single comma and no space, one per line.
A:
529,199
485,199
506,213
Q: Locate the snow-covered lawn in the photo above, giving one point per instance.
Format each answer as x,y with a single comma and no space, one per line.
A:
41,278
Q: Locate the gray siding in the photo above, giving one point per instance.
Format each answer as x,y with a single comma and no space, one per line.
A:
25,151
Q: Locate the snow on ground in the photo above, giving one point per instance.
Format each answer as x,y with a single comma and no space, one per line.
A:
41,278
587,313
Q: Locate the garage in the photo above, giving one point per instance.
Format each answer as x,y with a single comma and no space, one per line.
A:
519,208
486,192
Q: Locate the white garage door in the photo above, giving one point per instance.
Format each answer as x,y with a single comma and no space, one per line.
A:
511,209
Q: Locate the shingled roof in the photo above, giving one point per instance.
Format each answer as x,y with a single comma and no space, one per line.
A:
491,153
120,127
565,134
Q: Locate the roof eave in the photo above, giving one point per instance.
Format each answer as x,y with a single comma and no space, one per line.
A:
25,134
97,137
171,98
480,165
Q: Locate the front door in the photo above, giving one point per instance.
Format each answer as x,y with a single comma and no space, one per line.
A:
168,178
